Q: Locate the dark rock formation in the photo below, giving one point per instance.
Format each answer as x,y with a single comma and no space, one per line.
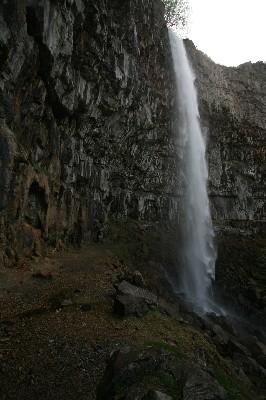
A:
86,135
242,349
124,368
127,368
232,108
85,131
133,300
232,105
200,386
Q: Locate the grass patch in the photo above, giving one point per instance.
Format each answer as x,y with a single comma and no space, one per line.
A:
185,342
168,347
170,385
162,381
179,338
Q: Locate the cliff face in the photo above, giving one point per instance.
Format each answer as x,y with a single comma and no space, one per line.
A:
232,106
85,106
86,127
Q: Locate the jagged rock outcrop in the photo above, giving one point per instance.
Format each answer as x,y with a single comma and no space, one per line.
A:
232,108
127,368
85,128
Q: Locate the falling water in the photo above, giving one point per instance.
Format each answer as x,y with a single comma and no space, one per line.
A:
198,255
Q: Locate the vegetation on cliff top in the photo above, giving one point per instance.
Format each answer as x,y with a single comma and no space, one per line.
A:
177,14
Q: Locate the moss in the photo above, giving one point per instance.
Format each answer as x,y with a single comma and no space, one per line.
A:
234,391
168,347
183,341
170,385
174,336
162,381
38,168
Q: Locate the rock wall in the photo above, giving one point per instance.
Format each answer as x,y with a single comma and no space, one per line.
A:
86,125
85,129
232,106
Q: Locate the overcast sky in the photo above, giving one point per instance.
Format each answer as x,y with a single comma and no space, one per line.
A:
230,32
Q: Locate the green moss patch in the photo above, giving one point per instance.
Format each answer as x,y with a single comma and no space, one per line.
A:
234,390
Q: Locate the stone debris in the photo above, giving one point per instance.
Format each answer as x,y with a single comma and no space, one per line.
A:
200,386
46,275
126,366
133,300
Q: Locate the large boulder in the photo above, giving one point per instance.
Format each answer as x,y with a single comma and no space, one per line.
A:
133,300
127,367
200,386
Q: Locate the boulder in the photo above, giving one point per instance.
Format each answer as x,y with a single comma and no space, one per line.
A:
128,304
223,321
135,278
258,351
234,346
125,368
248,365
125,288
156,395
171,309
133,300
221,337
200,386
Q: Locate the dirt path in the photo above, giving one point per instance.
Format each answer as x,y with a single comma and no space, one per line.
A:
57,326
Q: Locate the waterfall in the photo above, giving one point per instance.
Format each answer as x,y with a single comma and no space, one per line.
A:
198,255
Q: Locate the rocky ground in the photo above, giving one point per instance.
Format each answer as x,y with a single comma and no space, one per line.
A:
63,315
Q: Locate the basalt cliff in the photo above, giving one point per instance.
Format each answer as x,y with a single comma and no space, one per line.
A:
232,112
90,162
87,112
86,95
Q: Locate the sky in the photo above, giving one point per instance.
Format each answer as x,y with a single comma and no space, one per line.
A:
230,32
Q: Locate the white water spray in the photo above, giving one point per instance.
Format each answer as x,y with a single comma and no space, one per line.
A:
198,255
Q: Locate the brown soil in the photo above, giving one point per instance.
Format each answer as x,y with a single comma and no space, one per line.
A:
57,326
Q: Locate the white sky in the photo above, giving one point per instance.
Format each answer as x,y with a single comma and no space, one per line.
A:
230,32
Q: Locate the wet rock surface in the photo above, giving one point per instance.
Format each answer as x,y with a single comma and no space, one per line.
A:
241,273
232,103
85,130
232,113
